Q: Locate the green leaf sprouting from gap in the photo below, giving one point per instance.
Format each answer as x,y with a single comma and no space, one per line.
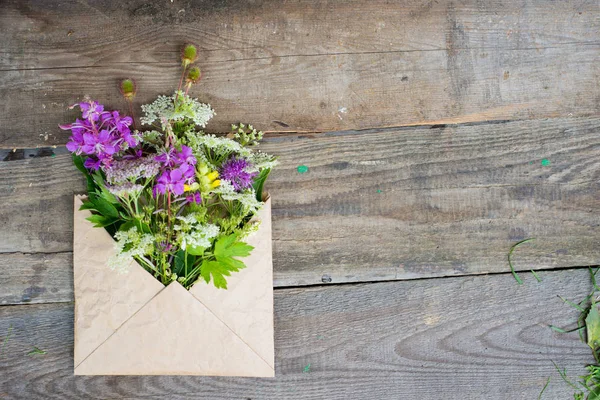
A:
512,249
575,306
561,330
544,389
36,351
563,375
592,323
259,182
536,276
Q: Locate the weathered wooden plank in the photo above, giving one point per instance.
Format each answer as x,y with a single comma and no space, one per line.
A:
381,205
468,338
303,66
36,278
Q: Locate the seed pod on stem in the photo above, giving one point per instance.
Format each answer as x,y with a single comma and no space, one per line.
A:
193,76
128,90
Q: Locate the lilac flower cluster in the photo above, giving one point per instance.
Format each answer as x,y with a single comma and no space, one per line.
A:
100,134
178,170
234,170
131,168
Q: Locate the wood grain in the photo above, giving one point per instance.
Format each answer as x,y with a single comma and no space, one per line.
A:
302,66
36,278
468,338
381,204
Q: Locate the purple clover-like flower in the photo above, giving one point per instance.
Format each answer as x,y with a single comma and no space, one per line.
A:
234,170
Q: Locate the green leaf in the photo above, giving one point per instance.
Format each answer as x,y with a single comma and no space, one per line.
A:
196,250
99,221
105,208
78,161
259,182
594,394
217,270
228,246
179,268
592,323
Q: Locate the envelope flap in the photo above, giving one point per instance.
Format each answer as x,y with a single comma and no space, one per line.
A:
174,334
104,299
246,307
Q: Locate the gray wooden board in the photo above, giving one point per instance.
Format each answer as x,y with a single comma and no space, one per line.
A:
302,66
374,205
481,337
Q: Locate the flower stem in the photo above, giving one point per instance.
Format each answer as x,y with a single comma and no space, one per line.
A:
180,83
131,113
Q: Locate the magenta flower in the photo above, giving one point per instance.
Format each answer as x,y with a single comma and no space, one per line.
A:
234,171
171,181
75,141
91,110
194,198
92,163
100,141
167,158
101,144
186,156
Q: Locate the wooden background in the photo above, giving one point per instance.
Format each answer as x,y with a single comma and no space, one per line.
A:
437,134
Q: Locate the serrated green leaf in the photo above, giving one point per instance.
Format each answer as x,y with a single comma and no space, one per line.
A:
217,271
592,323
228,246
196,250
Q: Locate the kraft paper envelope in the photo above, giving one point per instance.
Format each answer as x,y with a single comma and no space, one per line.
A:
131,324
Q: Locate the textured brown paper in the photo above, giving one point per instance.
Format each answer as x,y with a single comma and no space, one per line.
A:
131,324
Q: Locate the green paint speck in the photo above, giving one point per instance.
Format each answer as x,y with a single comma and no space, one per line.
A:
53,155
545,162
306,369
378,190
530,162
302,169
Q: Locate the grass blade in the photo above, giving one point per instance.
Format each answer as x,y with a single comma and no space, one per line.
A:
512,249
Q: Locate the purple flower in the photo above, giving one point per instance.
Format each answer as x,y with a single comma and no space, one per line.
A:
168,158
75,142
101,144
92,163
186,156
170,181
189,172
194,198
91,110
234,171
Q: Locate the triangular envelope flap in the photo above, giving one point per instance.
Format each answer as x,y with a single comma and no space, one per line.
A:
246,306
174,334
104,299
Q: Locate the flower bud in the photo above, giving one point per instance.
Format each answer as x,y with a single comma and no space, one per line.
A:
128,89
193,75
188,55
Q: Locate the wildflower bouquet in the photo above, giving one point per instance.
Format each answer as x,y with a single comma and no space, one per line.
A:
178,208
178,201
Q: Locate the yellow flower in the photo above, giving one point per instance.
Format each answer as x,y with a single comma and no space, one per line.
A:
186,187
215,184
213,175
